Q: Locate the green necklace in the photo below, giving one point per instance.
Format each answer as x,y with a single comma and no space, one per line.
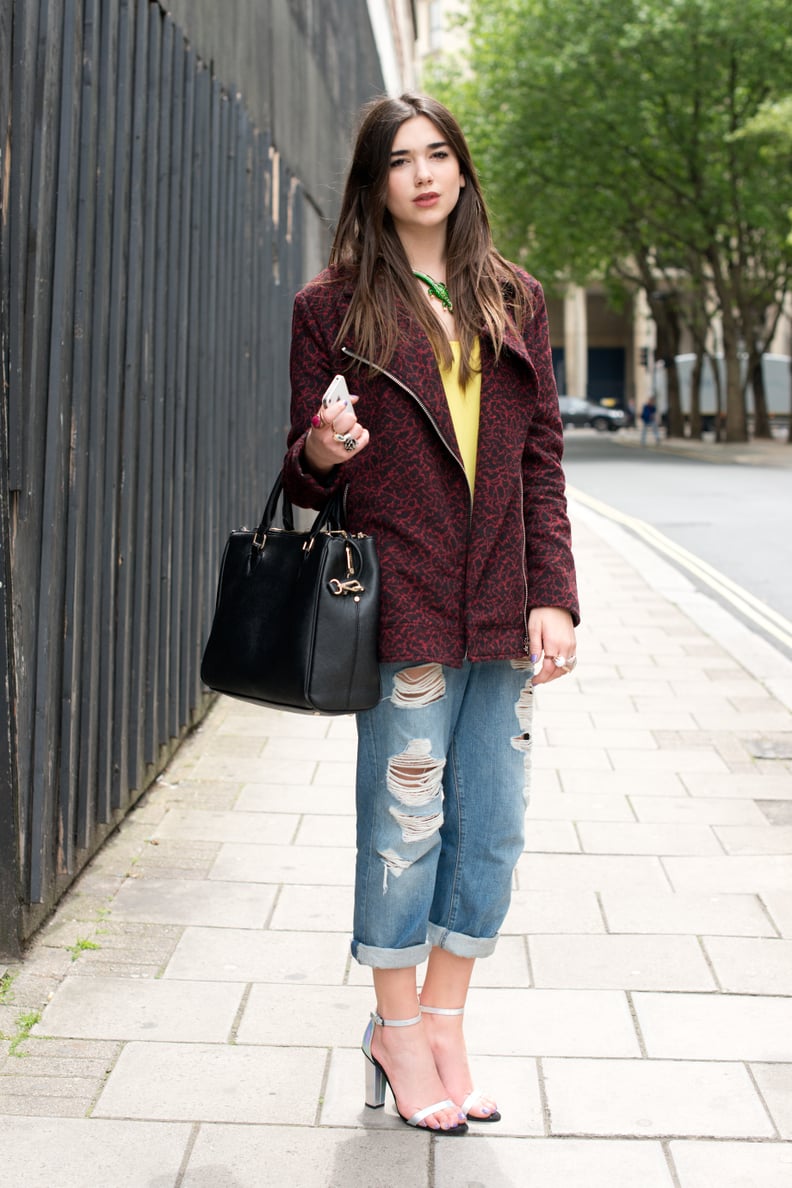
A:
436,289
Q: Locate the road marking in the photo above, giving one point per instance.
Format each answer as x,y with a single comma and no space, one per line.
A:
746,603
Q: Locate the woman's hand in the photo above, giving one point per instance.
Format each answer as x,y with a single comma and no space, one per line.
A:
551,638
323,450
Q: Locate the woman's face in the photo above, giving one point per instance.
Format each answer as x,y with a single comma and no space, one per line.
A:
424,180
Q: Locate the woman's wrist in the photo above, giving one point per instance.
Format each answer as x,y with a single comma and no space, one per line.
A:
311,464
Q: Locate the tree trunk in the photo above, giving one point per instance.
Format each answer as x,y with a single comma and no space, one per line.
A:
718,384
666,319
736,421
761,423
676,418
696,424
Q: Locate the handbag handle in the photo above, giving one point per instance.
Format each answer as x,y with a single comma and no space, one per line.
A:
331,518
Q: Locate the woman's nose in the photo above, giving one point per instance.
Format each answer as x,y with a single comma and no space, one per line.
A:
423,172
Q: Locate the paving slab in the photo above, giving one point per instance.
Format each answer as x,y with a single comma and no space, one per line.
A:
214,1083
227,1156
730,873
550,1023
623,783
122,1008
681,761
185,901
715,1026
326,830
246,770
775,1085
653,1097
231,826
756,839
553,912
72,1153
313,909
316,1016
682,912
551,837
551,1163
242,955
589,759
599,837
775,785
590,872
732,1165
300,798
747,965
578,806
711,811
334,774
284,864
779,907
631,962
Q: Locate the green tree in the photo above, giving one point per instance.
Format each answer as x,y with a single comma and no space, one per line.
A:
608,137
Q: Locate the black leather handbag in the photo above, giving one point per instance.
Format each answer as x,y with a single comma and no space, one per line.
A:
297,614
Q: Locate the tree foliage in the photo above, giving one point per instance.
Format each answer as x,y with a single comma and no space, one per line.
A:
609,136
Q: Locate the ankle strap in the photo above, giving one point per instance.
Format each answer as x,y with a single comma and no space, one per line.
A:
427,1010
378,1019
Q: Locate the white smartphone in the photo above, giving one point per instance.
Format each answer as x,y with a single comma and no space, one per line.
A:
336,390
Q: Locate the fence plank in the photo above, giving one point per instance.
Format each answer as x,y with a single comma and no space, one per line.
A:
155,721
73,703
97,565
44,861
10,890
142,395
116,309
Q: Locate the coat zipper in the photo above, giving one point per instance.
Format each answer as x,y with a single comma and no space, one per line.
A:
526,639
422,406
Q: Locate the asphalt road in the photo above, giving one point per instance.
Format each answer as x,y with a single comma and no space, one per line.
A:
737,518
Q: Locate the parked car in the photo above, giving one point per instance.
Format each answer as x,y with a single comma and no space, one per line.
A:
577,412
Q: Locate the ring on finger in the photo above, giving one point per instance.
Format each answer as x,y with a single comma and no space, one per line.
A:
567,663
346,440
317,420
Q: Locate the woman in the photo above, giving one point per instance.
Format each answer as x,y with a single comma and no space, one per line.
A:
451,450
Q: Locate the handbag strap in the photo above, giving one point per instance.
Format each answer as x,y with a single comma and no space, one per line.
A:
332,517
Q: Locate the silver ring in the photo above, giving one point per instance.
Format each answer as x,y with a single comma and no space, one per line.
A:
342,437
350,444
565,662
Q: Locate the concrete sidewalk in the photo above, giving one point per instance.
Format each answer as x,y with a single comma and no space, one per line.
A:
201,1017
775,452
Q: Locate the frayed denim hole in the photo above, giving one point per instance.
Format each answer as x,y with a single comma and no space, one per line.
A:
418,686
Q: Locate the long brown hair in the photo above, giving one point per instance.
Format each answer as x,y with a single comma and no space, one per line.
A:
487,291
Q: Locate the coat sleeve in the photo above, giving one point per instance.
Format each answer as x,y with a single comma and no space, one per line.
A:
550,565
311,370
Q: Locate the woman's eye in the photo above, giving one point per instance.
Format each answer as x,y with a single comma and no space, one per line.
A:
397,161
441,154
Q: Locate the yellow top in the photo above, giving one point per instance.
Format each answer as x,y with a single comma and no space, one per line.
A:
465,405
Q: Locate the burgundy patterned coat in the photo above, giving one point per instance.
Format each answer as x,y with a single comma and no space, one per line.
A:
457,581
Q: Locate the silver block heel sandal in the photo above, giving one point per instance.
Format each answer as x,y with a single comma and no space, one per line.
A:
377,1079
475,1095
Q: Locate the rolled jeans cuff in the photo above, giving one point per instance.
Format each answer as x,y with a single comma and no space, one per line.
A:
459,944
390,958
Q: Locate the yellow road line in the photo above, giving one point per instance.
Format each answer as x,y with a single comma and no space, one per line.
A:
748,604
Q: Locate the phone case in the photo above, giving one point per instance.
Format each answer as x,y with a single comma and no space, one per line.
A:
336,390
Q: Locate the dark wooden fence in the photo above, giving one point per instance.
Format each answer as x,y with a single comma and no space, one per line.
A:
150,247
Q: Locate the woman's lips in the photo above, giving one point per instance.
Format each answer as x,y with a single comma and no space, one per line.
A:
426,199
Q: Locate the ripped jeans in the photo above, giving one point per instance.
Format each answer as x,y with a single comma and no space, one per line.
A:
442,782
